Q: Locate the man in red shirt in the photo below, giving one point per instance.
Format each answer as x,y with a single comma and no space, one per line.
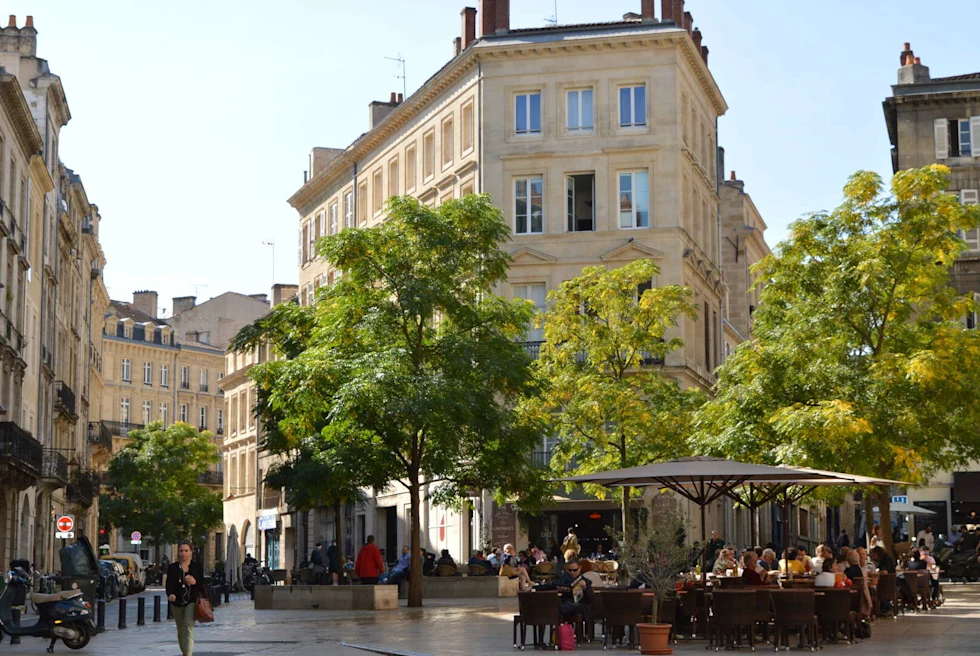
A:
369,564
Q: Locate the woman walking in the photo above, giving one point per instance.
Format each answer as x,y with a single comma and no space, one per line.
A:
183,577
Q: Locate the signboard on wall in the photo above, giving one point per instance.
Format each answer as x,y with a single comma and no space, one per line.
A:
267,522
503,524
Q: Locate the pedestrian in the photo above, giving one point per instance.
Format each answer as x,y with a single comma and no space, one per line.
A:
333,562
713,547
316,559
369,564
843,540
570,547
183,578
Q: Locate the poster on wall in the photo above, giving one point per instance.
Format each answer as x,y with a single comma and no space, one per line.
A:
503,525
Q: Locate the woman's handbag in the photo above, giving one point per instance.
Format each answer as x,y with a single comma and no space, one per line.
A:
202,607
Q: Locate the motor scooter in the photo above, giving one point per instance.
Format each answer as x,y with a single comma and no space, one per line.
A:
63,615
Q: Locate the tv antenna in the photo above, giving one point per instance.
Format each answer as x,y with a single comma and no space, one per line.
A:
401,60
197,287
272,243
553,20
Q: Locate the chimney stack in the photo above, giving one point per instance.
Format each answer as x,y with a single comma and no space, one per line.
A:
401,98
704,54
468,33
696,35
647,11
678,13
912,70
733,178
688,21
146,302
12,21
666,10
457,46
183,304
283,292
394,98
494,16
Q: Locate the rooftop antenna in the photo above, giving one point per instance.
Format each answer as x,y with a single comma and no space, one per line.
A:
197,286
554,19
401,60
272,243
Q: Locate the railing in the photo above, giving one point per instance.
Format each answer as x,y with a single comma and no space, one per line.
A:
541,459
202,428
100,435
19,449
204,387
211,478
65,399
220,431
121,428
184,384
83,488
533,349
54,466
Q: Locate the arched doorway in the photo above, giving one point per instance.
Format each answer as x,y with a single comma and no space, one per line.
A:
248,539
26,521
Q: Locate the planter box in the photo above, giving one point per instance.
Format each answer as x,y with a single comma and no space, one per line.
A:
326,597
456,587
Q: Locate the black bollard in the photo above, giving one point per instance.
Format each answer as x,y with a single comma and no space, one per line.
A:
252,593
227,592
100,616
140,611
122,613
170,610
156,608
15,619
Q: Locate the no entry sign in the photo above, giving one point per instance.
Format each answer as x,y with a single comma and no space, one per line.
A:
64,527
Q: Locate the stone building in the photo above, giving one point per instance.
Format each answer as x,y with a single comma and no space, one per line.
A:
599,144
937,120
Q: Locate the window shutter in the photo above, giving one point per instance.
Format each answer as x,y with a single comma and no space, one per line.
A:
975,136
941,128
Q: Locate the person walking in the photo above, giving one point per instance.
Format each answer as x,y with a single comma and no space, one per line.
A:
369,565
333,562
316,559
183,578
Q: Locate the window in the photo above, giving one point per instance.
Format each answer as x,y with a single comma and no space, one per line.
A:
528,207
466,190
362,203
957,137
964,138
633,106
147,412
164,376
579,192
183,412
378,192
634,200
318,227
971,237
393,178
578,113
333,219
203,418
185,378
348,210
410,168
164,413
305,242
124,412
534,292
428,155
527,113
147,373
468,127
447,142
221,421
204,380
127,370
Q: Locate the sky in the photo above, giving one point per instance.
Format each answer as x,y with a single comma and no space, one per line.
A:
192,121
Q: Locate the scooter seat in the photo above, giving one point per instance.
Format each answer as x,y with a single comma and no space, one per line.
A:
57,596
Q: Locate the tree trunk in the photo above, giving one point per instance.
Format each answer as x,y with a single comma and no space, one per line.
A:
885,537
338,522
868,505
625,501
415,569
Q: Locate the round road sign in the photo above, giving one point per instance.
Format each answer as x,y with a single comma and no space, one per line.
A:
65,523
136,536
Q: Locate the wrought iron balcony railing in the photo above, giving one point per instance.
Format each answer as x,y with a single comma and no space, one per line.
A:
54,467
100,435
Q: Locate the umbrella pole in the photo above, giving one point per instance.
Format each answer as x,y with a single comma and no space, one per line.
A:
786,529
704,545
753,518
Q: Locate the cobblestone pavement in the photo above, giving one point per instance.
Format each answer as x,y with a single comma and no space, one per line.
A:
460,627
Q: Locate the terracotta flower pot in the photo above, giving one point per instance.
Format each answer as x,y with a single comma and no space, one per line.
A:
654,639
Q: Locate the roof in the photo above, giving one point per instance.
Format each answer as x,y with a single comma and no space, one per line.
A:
957,78
128,311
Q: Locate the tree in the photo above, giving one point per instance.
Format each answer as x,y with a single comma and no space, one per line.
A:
859,360
604,391
412,365
153,484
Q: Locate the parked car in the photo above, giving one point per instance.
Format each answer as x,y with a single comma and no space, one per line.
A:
134,568
113,582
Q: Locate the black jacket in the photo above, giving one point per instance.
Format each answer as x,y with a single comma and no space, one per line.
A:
175,583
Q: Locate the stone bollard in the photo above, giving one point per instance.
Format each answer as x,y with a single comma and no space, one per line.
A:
140,611
15,620
122,613
170,610
100,616
156,608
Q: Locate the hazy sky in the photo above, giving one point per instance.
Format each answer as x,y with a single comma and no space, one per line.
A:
192,121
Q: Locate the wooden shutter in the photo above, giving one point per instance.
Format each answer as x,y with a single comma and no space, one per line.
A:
941,128
975,136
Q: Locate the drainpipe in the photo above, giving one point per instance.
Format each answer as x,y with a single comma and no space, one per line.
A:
479,104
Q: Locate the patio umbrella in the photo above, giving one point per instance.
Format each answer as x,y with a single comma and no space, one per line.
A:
233,559
907,509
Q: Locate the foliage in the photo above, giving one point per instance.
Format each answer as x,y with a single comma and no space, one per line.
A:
410,369
859,361
153,485
604,392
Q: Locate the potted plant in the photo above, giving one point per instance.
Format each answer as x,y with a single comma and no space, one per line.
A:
655,554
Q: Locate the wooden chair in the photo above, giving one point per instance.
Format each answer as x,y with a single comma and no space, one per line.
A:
622,610
912,580
691,611
794,609
762,613
540,610
730,582
667,614
543,572
732,611
445,570
887,593
834,612
925,591
477,570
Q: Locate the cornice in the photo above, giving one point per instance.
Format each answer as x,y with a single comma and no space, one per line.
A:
39,173
12,98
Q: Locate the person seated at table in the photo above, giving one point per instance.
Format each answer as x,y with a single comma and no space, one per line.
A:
598,554
512,569
823,553
477,559
445,559
886,564
399,572
725,562
750,569
916,562
428,563
827,577
790,563
575,589
870,571
853,570
804,558
611,554
933,570
767,560
494,559
538,556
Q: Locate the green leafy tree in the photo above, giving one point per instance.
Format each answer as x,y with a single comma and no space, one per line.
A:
153,484
605,394
411,369
858,359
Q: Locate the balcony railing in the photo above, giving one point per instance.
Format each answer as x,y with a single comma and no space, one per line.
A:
121,428
185,384
211,478
541,459
65,402
20,452
83,488
204,387
100,435
220,431
533,349
270,499
54,467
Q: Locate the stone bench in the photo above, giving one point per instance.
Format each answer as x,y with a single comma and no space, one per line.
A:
326,597
457,587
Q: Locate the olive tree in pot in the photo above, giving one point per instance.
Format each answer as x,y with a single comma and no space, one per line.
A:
654,554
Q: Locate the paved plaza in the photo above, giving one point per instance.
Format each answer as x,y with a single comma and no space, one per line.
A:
465,626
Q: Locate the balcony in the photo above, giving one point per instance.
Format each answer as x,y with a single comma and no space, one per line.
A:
541,459
533,349
185,384
121,428
21,456
220,431
99,435
204,387
54,468
83,487
65,400
212,478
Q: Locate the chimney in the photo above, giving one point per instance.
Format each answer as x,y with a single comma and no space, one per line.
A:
260,297
912,70
379,109
696,35
457,46
487,13
468,33
678,13
647,11
732,177
12,21
503,16
704,54
905,54
320,158
183,304
401,99
30,22
282,292
146,302
688,21
666,10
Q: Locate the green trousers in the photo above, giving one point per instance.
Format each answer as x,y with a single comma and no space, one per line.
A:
184,617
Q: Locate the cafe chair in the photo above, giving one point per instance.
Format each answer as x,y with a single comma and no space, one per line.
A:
541,610
794,609
834,613
732,614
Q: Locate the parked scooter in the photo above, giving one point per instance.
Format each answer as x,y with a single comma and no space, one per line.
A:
63,615
960,565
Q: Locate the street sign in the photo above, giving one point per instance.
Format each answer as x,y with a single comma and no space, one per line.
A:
64,527
900,499
64,535
136,536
